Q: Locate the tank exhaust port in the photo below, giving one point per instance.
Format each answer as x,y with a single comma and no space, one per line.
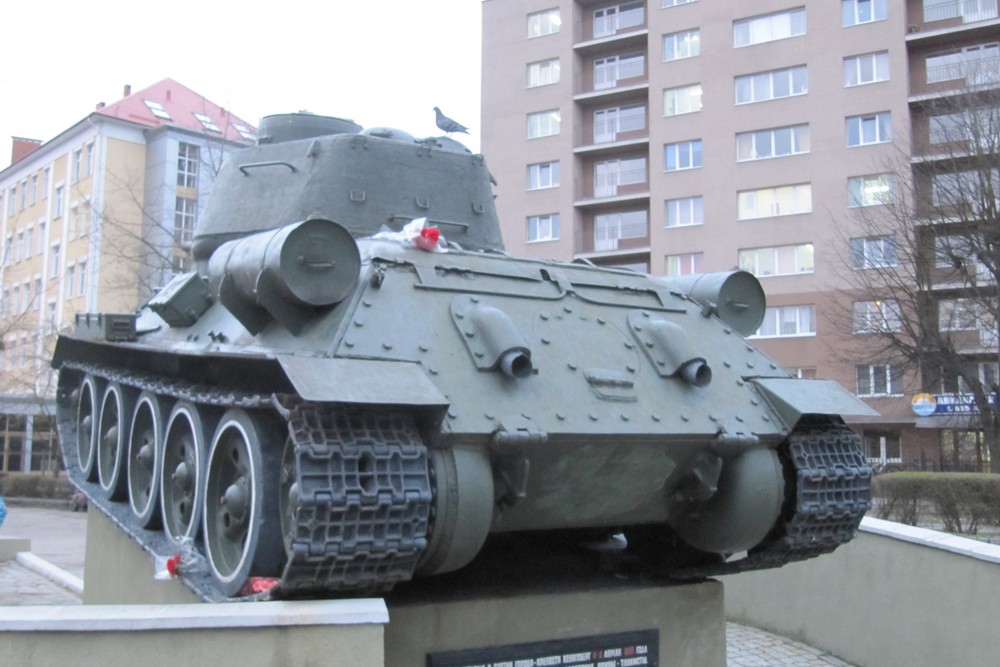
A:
492,338
285,274
669,349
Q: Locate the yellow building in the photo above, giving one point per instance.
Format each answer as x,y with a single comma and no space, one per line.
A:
95,219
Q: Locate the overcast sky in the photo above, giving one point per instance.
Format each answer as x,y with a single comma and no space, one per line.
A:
378,62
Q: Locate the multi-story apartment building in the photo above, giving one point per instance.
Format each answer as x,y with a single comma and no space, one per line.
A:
685,136
93,220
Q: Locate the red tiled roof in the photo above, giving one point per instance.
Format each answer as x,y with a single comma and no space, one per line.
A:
181,104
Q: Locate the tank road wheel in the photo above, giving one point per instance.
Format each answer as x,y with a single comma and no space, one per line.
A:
182,482
116,408
242,527
145,459
86,427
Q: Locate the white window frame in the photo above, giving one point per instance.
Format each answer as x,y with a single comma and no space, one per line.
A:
610,20
870,190
776,84
543,175
868,129
682,155
681,45
871,376
185,218
873,252
682,100
866,68
859,12
769,27
610,122
544,227
796,197
612,69
685,212
542,124
685,264
764,144
667,4
543,73
874,317
788,322
785,260
976,64
188,159
609,228
610,174
960,314
545,22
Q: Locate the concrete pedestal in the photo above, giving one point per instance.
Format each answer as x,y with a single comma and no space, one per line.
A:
517,605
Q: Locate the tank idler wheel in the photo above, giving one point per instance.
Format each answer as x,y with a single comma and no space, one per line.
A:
86,426
145,460
112,429
241,523
182,482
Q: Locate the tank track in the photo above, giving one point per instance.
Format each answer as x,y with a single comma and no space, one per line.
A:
364,490
832,494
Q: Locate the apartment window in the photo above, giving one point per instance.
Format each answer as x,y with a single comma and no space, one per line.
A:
873,252
543,73
973,188
184,219
41,238
880,380
157,109
958,314
543,23
57,202
610,174
33,194
610,227
11,200
953,251
876,316
188,158
609,71
683,44
883,446
27,295
29,242
855,12
244,131
866,68
543,124
19,247
81,283
777,201
949,127
871,190
768,28
774,142
674,3
38,293
77,168
24,193
778,260
543,175
788,321
543,227
54,258
682,155
685,211
610,20
608,123
51,319
686,264
681,100
68,281
207,122
975,64
803,373
772,85
46,176
88,163
868,129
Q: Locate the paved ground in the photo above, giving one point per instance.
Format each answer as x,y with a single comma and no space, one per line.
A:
59,538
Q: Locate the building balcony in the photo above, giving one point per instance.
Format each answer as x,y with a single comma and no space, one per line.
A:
611,28
960,77
941,21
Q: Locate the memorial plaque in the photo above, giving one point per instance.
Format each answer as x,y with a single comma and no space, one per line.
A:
625,649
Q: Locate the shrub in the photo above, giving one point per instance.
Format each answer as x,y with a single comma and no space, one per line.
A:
962,502
34,485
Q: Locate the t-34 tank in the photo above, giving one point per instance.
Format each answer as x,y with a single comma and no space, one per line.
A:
339,400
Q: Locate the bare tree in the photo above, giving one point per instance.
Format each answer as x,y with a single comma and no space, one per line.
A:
924,266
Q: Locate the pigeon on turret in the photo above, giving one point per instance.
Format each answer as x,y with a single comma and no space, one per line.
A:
447,124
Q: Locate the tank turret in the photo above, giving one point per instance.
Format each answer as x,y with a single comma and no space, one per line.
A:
357,386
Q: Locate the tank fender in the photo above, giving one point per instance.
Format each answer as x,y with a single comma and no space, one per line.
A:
491,337
362,381
669,349
793,397
285,273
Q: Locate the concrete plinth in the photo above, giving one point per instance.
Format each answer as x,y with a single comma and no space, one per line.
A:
517,600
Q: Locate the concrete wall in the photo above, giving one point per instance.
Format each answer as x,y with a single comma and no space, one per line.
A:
346,633
896,596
